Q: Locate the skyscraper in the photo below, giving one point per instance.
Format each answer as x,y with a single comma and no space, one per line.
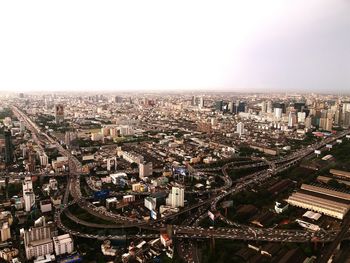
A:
219,105
240,128
28,194
292,119
59,113
8,147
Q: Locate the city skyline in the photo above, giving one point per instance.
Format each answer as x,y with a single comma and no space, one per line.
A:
278,47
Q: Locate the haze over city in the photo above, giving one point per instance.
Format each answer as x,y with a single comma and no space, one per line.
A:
186,46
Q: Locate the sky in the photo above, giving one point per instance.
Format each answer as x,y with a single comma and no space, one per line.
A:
235,46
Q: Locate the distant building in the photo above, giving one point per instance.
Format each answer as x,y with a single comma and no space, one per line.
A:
59,113
240,128
292,119
8,147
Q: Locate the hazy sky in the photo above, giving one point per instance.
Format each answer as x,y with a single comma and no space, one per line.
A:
301,45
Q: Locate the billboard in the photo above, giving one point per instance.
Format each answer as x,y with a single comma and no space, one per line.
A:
317,152
330,146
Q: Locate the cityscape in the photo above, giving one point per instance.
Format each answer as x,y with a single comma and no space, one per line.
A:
175,131
175,177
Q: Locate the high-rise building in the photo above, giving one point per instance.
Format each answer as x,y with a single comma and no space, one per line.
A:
69,137
278,113
201,103
269,106
240,128
59,113
292,119
193,101
63,244
263,107
301,117
31,161
231,107
219,105
308,122
176,197
44,159
38,242
28,194
8,147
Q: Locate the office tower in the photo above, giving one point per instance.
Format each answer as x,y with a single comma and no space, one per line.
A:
193,101
59,113
240,128
28,194
8,147
308,122
346,114
263,107
44,159
241,106
301,117
31,161
278,113
292,119
69,137
329,122
269,106
219,105
176,197
231,107
201,102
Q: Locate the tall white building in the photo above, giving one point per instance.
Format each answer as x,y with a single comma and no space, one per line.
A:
28,194
278,113
38,242
44,159
63,244
292,119
240,128
176,197
301,117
